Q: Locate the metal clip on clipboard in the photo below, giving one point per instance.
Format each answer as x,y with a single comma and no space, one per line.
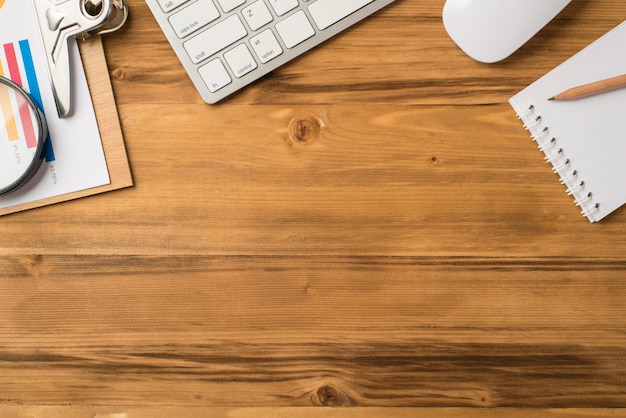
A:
60,20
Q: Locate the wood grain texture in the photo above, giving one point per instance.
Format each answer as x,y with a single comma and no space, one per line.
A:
368,226
297,412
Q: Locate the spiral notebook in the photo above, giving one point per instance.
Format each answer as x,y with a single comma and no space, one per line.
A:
584,140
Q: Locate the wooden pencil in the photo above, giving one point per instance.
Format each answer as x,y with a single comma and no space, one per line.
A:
592,88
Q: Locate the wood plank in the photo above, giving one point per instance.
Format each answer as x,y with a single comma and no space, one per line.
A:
234,412
471,185
392,332
402,56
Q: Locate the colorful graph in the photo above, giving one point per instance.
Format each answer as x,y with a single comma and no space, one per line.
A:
20,68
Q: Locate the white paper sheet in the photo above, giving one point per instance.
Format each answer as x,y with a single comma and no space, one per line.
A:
75,160
583,139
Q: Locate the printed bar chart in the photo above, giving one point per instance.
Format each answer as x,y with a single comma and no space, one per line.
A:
20,68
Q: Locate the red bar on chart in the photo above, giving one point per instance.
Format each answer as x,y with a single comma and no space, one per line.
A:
23,110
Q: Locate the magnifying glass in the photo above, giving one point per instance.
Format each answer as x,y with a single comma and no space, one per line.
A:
23,132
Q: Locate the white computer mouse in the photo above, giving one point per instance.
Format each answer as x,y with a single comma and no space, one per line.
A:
491,30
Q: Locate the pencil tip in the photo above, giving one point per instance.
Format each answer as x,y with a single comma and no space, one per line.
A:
551,98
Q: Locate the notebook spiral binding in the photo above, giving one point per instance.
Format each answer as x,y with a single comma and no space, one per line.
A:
561,164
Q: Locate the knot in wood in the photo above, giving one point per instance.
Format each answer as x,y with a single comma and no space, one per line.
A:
119,74
304,129
331,396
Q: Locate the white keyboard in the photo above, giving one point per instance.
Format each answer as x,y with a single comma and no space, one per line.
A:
225,45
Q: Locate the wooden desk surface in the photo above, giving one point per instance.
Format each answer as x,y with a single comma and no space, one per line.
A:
369,226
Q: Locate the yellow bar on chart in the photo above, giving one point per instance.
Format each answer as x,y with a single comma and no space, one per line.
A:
7,112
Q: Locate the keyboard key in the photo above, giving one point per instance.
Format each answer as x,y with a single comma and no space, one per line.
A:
240,60
257,15
326,13
283,6
169,5
193,17
214,39
295,29
266,46
228,5
214,75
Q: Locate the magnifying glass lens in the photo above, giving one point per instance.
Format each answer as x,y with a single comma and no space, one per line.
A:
22,133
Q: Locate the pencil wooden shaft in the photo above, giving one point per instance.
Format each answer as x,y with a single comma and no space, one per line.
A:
593,88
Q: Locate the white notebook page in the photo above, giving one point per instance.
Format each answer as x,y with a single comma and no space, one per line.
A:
583,139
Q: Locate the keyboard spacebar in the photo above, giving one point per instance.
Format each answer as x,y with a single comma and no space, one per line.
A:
326,13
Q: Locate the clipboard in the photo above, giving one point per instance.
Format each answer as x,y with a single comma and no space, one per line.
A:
96,71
